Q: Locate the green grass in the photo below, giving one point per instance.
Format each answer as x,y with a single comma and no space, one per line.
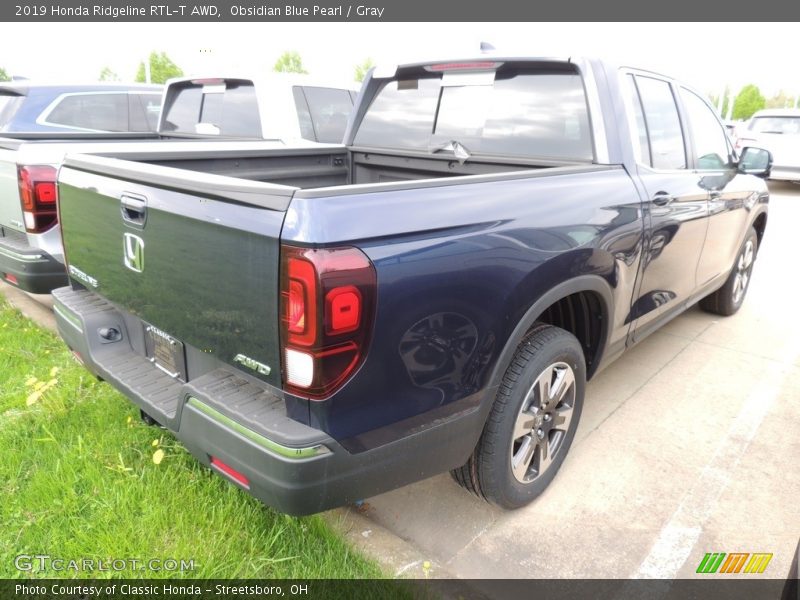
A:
77,480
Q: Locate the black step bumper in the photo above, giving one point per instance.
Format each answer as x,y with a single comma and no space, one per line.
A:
225,415
29,268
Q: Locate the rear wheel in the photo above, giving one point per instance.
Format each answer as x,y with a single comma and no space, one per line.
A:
532,422
729,298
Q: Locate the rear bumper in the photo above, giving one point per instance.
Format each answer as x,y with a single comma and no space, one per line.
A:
242,422
29,268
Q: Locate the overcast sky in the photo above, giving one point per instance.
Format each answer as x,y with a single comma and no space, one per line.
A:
708,56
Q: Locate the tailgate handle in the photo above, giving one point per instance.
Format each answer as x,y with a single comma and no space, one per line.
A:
134,209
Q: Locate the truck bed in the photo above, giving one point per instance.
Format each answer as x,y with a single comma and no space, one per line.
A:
302,167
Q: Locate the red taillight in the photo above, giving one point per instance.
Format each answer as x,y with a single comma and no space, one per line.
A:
342,309
327,306
230,472
45,192
38,194
302,287
11,278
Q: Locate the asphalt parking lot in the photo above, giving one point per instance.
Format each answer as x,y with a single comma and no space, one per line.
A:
688,444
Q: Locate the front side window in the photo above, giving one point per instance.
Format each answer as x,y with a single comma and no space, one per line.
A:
512,112
710,140
97,112
663,123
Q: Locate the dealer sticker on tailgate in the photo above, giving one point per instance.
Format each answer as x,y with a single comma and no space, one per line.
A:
165,352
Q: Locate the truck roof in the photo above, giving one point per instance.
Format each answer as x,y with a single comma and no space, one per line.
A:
388,70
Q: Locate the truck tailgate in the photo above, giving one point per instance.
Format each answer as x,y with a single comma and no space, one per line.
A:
199,269
10,207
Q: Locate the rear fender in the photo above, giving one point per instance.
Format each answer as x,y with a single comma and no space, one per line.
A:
583,283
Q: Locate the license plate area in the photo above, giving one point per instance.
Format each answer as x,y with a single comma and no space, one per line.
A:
165,352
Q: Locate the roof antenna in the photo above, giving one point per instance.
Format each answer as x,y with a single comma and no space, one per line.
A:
487,47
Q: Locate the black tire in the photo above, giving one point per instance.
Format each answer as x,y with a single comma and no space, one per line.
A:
729,298
547,352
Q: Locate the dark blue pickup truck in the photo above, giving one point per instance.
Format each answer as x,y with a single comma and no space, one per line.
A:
323,324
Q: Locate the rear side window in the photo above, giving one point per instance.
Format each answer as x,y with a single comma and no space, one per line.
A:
9,103
640,141
515,113
663,124
97,112
227,109
143,110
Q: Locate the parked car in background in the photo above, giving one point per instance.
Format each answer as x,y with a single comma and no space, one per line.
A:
322,324
276,106
777,130
37,121
31,107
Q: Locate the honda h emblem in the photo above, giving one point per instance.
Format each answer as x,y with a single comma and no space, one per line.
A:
133,251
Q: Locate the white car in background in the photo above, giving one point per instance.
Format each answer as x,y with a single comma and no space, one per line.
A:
279,106
776,130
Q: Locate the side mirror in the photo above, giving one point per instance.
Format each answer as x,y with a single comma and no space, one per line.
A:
755,161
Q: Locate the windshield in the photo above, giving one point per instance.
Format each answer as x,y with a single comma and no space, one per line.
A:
783,125
508,113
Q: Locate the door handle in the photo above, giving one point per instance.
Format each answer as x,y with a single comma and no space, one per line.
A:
134,209
662,198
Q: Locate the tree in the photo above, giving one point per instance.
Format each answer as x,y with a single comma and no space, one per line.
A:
108,75
289,62
781,100
3,75
161,68
748,101
361,70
